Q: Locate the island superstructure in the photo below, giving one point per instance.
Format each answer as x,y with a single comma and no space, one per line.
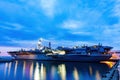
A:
83,53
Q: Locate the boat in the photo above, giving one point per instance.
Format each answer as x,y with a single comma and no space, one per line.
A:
82,53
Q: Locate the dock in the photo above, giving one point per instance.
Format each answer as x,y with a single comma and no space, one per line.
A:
113,73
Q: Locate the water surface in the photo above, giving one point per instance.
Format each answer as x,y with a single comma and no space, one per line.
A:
44,70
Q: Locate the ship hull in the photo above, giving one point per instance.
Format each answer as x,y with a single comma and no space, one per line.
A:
43,57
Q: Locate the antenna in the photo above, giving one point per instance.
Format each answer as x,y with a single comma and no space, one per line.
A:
50,45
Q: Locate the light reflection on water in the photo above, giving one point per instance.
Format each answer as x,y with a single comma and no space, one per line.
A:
75,74
36,70
62,71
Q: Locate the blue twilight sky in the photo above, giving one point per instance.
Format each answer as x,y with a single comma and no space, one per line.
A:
63,22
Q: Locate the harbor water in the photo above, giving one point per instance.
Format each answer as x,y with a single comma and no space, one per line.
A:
50,70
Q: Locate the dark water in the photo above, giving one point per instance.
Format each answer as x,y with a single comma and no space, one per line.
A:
36,70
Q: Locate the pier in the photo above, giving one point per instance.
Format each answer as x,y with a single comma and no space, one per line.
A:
113,73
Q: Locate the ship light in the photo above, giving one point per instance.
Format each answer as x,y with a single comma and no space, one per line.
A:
59,52
89,53
62,52
110,64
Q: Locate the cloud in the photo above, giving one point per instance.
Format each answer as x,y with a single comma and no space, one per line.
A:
116,9
62,22
25,43
22,43
11,26
6,49
48,7
81,33
72,24
111,31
